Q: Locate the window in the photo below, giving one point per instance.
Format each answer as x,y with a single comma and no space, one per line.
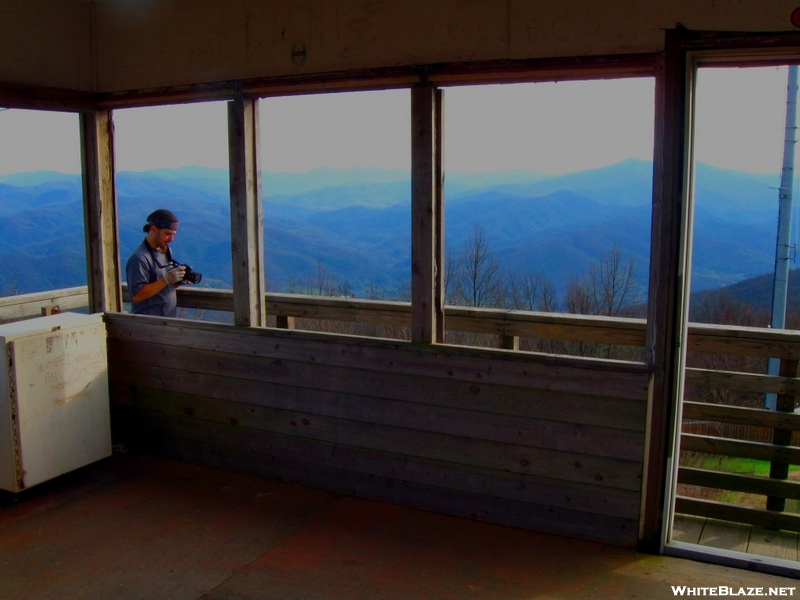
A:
41,229
176,157
548,199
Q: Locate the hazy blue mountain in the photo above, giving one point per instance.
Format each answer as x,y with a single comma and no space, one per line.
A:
357,222
33,178
626,183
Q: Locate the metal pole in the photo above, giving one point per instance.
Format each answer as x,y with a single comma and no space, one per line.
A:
783,248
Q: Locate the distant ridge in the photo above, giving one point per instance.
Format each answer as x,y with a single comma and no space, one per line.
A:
357,221
757,291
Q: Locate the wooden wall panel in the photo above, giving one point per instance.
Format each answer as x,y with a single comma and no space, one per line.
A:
487,434
221,40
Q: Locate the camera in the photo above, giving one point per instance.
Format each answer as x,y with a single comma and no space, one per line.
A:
189,274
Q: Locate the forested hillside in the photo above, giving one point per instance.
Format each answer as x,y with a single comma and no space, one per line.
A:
353,226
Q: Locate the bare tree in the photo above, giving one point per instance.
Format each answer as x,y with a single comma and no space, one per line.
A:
375,291
613,282
529,290
478,280
450,275
579,297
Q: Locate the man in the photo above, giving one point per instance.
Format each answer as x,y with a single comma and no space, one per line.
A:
152,274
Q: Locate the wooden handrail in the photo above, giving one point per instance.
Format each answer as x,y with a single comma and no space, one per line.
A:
740,415
722,339
25,306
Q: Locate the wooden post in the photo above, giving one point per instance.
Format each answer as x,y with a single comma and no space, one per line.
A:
670,249
247,217
782,437
509,342
285,322
427,216
100,212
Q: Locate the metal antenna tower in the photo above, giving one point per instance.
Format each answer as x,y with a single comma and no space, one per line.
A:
783,249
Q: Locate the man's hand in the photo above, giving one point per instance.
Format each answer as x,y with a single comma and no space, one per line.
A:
175,275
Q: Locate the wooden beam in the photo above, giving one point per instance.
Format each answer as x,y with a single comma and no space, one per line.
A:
405,76
743,449
737,482
750,382
247,217
43,98
737,514
783,437
669,247
100,212
757,417
427,212
24,306
744,341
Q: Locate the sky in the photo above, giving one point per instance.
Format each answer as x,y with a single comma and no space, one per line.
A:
548,128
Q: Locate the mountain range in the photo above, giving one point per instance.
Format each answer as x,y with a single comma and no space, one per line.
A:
356,223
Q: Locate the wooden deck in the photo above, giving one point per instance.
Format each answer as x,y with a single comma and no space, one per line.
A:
736,536
138,526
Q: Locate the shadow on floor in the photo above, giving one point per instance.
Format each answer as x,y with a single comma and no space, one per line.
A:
135,526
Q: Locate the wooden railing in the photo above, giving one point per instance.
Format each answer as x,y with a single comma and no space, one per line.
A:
509,324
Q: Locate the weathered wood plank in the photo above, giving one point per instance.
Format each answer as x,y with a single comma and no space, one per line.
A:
567,466
737,514
750,382
744,341
557,373
14,95
740,415
670,242
205,298
427,211
738,482
372,312
30,305
623,331
476,506
100,212
247,215
520,431
431,391
777,544
687,528
741,448
784,403
725,535
503,484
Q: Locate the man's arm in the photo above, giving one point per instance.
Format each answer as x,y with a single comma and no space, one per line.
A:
137,275
149,290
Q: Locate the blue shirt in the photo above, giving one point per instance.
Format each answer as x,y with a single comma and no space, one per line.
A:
142,269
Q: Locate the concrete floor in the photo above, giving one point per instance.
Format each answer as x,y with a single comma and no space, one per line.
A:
139,527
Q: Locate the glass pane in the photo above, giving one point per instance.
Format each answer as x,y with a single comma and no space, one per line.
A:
176,157
337,196
549,191
41,207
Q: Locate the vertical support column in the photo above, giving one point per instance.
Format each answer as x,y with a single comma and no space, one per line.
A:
100,212
427,216
670,250
782,437
247,217
509,342
285,322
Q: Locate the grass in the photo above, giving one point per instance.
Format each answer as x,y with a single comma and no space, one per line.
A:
732,464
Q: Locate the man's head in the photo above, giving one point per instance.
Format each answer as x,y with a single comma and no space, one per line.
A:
161,227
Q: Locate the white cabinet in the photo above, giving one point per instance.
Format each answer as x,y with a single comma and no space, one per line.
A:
54,410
